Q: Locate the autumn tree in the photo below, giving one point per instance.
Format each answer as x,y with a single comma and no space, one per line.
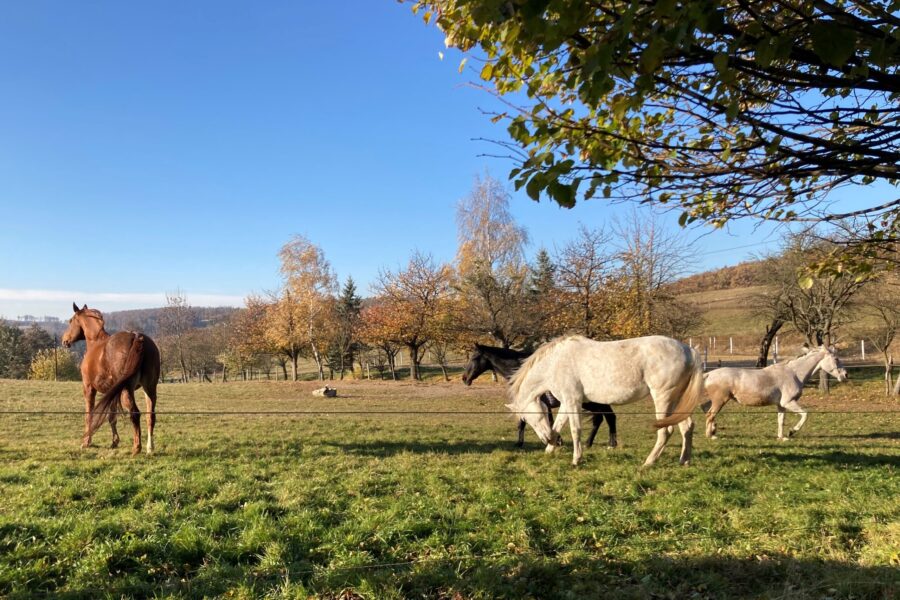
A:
490,262
816,305
649,260
879,303
310,287
412,300
245,340
175,322
54,364
584,273
724,109
285,330
378,330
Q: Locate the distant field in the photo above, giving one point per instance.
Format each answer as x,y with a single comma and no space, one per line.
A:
441,505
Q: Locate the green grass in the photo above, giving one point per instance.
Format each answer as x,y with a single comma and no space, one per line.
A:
440,505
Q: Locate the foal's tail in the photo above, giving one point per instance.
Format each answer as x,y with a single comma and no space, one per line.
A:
111,399
693,394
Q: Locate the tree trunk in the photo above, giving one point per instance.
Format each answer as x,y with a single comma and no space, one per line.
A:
444,371
224,374
294,358
413,362
897,386
184,371
766,343
318,359
824,385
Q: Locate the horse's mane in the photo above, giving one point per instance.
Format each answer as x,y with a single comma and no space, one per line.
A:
502,352
515,382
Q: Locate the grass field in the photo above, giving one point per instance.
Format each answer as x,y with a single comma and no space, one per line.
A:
397,505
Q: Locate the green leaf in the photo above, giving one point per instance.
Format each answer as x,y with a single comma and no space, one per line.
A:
487,71
833,43
533,189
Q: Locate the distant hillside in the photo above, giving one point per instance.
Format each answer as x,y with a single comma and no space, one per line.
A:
742,275
145,320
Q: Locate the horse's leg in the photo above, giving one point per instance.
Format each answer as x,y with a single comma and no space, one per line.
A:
134,413
150,396
575,429
664,402
611,423
115,431
687,440
662,436
793,406
90,394
561,417
596,420
522,424
780,422
713,409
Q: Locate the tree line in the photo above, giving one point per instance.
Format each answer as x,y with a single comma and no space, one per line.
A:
606,282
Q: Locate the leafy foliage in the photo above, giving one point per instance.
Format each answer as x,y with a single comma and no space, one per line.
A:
724,109
51,364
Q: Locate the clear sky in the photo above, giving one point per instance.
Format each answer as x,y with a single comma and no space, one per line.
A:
149,147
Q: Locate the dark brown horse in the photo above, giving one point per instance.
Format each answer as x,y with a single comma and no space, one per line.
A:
114,365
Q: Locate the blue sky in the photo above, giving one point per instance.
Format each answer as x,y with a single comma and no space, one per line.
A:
148,147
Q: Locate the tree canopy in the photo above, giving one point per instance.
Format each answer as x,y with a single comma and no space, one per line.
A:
722,109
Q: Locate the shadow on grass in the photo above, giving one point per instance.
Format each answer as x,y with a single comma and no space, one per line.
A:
876,435
389,448
778,576
836,457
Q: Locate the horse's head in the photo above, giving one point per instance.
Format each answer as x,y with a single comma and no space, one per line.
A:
534,413
478,364
831,364
78,325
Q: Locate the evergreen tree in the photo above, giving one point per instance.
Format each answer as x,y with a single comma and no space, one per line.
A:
543,274
13,360
348,309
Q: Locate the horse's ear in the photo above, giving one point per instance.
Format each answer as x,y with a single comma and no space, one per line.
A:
84,307
74,307
805,348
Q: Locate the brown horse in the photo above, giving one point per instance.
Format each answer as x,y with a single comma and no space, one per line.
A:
115,365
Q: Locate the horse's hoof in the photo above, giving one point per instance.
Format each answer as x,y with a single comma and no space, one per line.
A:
713,437
550,449
685,463
791,433
135,451
612,444
782,439
115,444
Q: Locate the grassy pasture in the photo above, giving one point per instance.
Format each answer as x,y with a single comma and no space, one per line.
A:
440,505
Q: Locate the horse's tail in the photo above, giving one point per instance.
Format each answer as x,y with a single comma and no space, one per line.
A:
111,399
692,396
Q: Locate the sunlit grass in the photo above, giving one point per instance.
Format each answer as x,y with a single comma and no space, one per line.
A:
387,505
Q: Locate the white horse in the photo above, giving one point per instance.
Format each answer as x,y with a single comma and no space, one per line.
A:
575,369
780,384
